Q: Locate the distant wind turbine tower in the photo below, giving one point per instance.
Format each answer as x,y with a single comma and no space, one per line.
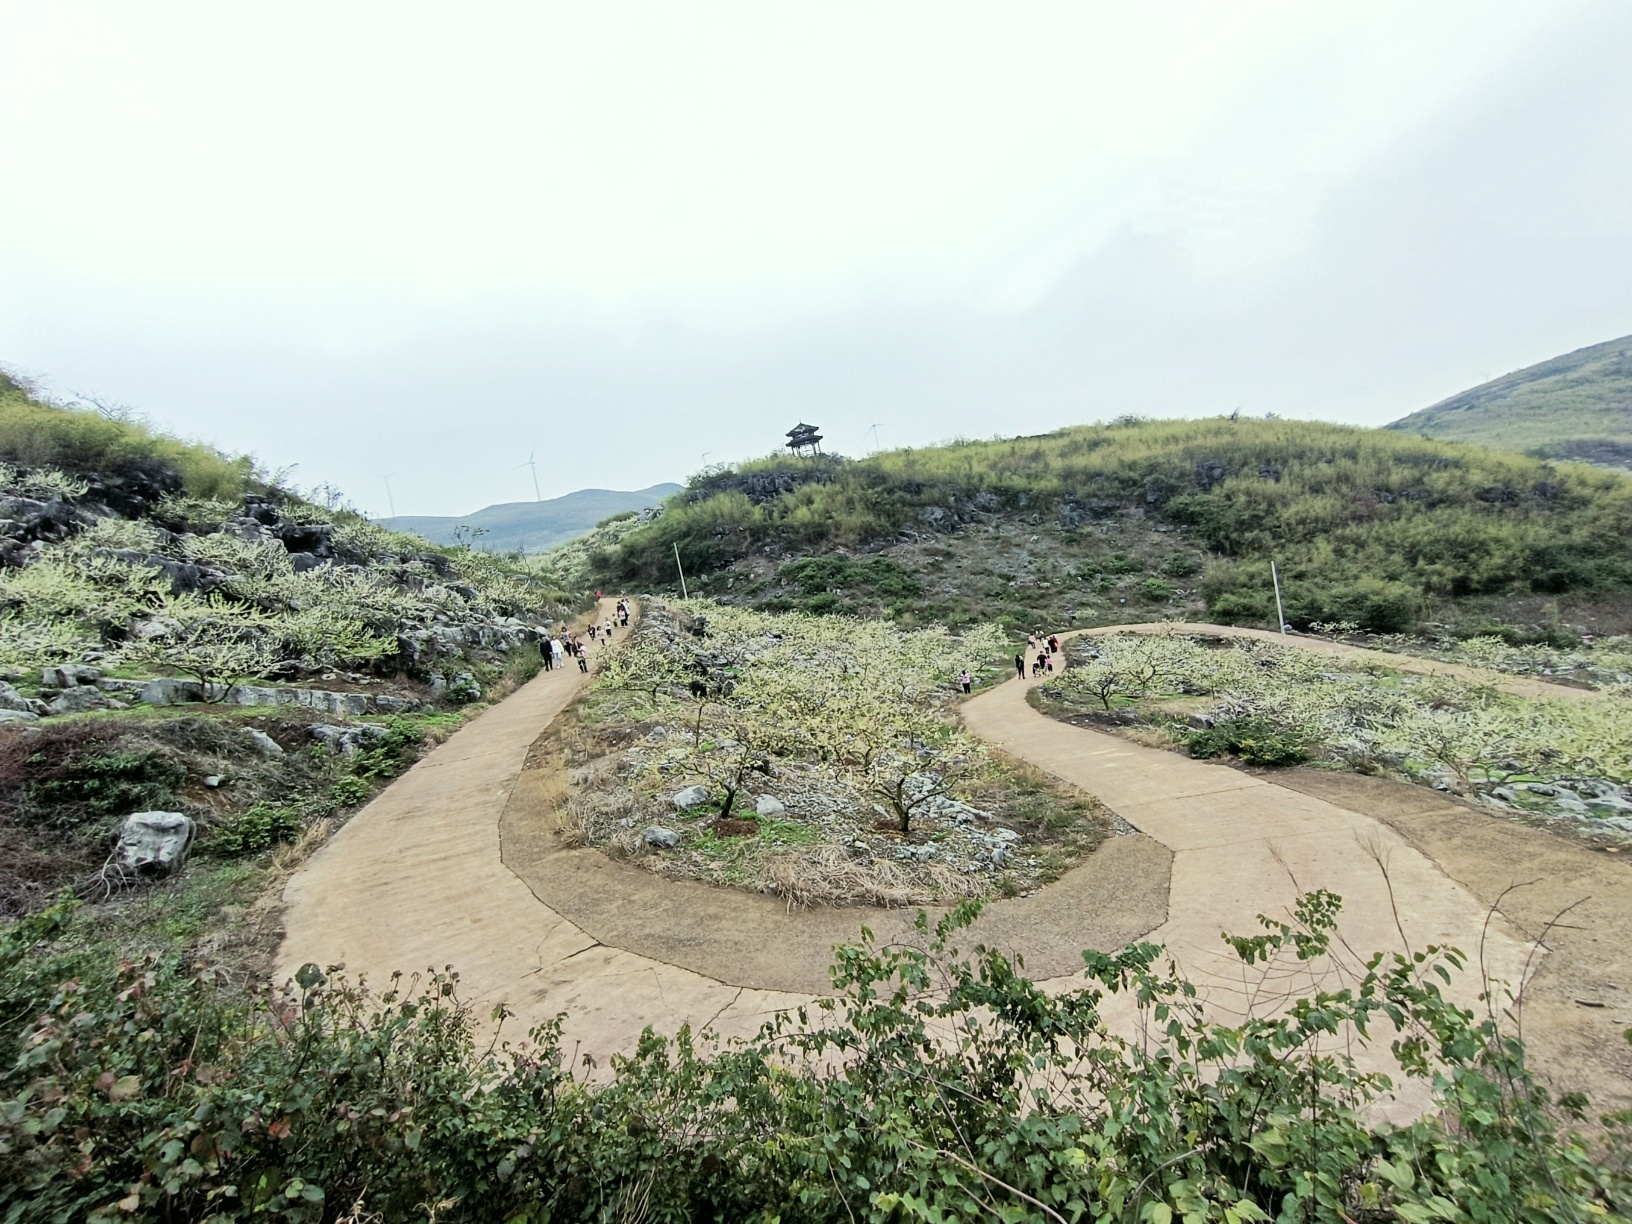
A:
532,463
876,424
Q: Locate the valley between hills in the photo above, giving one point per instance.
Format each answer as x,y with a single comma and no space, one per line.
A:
989,805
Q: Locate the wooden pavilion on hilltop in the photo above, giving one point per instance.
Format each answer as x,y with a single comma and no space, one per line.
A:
804,440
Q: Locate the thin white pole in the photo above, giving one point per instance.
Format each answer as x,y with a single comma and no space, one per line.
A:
682,570
1280,614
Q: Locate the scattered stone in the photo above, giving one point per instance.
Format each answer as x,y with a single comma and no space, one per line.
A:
212,781
1004,835
69,675
692,796
659,838
155,843
11,699
347,741
18,716
80,700
769,805
263,742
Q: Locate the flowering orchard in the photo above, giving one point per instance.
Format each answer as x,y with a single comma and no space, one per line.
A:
831,768
1270,705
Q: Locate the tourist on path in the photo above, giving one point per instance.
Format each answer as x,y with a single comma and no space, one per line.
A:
1020,665
964,681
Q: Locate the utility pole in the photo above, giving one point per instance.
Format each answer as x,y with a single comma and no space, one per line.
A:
682,570
1280,614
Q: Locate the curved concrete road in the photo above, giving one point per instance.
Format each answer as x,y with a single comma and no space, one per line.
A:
419,879
415,881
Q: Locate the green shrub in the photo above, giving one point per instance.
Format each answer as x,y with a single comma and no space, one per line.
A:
1257,741
153,1089
1156,590
348,792
1180,565
256,829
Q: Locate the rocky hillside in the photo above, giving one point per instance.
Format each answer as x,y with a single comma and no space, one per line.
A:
1578,406
1146,519
179,634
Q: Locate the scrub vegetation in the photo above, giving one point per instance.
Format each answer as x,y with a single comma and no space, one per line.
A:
1368,526
1272,705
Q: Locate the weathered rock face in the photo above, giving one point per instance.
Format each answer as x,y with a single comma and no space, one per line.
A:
264,743
80,700
347,741
69,675
155,843
692,796
12,700
660,838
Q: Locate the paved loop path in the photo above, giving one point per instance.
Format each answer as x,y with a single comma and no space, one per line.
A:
415,881
420,878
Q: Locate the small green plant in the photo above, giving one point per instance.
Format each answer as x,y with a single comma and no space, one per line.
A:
348,792
1156,590
258,828
1180,565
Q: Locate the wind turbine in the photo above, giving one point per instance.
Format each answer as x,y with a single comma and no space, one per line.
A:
876,424
389,500
531,463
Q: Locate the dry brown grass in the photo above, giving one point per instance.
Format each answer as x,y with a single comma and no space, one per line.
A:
831,875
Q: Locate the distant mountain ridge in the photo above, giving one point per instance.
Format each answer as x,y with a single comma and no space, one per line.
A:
1577,406
532,526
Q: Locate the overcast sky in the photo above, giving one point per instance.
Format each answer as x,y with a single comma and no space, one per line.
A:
412,242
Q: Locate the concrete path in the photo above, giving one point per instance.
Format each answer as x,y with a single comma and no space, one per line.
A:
1243,846
420,878
415,881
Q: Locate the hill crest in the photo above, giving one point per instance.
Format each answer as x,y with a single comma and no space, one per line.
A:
1574,406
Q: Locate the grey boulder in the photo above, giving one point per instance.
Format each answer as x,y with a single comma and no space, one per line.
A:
264,743
660,838
769,805
692,796
79,700
347,741
155,843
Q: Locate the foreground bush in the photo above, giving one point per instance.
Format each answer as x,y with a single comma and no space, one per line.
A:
935,1086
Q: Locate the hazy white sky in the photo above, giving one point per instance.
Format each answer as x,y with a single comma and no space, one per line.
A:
416,241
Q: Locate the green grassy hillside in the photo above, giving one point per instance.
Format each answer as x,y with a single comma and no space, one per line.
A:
1578,406
1138,519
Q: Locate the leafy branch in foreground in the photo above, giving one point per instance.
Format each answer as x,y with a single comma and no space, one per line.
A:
933,1086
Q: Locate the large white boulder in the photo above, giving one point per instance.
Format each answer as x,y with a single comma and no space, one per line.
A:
769,805
692,796
155,843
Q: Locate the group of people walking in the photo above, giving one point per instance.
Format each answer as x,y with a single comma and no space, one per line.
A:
562,643
1044,649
